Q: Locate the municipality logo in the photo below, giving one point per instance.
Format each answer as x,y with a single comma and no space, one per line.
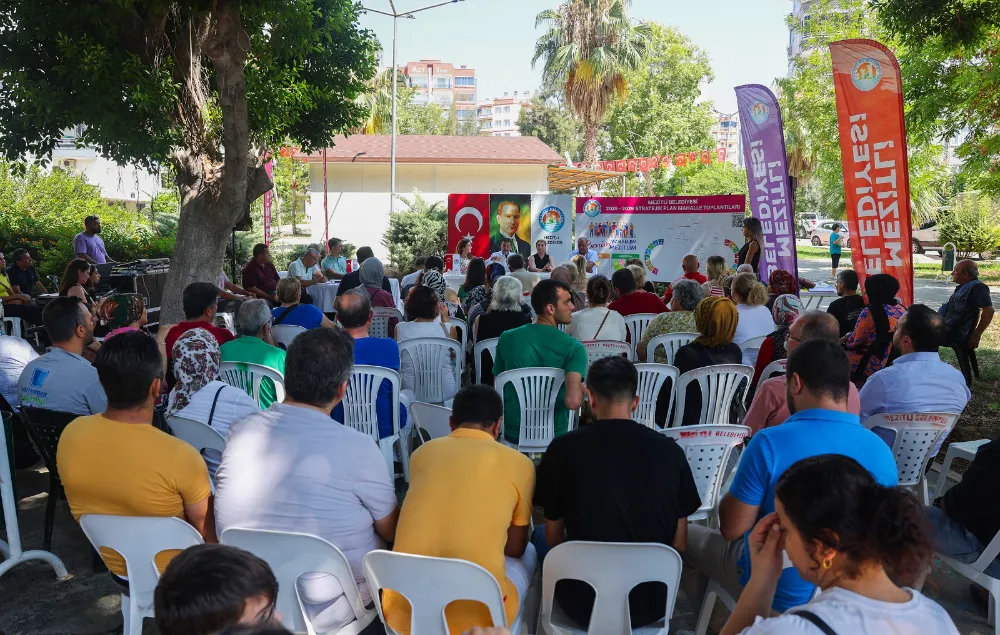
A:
758,112
38,377
592,208
551,219
866,74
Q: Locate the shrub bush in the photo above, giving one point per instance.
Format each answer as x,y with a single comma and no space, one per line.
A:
972,223
419,230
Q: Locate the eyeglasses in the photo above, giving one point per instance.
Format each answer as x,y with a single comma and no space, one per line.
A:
792,337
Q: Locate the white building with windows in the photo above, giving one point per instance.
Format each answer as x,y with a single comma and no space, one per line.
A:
498,116
727,135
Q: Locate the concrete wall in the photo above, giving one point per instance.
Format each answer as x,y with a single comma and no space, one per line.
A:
358,194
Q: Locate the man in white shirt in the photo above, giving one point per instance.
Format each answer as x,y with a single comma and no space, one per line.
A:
917,381
583,248
293,468
515,265
410,279
500,257
307,269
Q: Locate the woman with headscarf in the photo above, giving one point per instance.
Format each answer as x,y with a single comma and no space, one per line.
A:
716,320
868,346
198,393
785,310
121,313
780,282
371,274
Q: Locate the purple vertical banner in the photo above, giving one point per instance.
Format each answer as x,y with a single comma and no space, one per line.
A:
268,198
767,177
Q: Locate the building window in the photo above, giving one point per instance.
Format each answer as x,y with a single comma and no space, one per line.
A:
418,81
465,81
442,82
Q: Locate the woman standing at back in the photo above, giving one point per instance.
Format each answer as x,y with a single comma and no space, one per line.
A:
753,233
844,533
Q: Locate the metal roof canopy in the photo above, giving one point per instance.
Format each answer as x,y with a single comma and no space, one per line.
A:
562,178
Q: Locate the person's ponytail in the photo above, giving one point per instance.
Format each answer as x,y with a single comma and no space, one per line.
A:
898,532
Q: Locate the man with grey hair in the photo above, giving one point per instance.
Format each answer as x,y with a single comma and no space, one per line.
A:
686,294
256,346
307,268
770,405
967,314
291,468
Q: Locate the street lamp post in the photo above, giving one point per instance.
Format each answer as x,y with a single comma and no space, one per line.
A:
395,15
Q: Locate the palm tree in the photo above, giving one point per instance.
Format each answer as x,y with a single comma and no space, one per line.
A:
377,102
588,49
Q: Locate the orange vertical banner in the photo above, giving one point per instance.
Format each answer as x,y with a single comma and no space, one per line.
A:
869,92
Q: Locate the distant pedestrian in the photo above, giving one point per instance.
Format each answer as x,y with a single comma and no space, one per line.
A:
836,246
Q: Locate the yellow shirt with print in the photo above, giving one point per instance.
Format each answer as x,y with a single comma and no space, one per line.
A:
127,469
466,489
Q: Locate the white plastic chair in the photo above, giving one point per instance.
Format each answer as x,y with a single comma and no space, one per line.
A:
432,418
613,569
599,349
361,412
670,343
964,450
718,387
462,328
13,326
636,325
976,572
708,448
429,355
197,434
753,344
380,321
537,392
292,554
138,540
430,584
774,368
477,355
284,333
651,380
916,436
247,377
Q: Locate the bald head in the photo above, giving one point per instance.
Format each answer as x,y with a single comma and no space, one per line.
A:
354,309
968,269
812,325
690,263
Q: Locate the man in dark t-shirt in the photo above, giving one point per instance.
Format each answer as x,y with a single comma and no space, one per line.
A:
614,481
848,307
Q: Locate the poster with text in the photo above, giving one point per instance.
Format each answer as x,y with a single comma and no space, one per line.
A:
552,222
660,231
510,219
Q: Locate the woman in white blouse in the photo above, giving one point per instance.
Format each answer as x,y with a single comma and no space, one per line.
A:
750,298
429,318
843,532
597,321
198,393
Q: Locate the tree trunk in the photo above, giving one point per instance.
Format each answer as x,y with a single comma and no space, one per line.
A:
590,143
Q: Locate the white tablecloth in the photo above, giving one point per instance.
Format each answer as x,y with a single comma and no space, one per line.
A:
324,295
815,298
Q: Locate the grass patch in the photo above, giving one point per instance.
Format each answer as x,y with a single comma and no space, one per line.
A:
821,253
989,272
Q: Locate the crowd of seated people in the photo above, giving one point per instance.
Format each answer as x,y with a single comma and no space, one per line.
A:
812,481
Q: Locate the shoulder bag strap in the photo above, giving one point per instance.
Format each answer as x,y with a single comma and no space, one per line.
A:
211,413
602,324
816,621
284,314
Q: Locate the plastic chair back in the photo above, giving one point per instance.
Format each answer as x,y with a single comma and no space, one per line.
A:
44,428
477,355
13,326
292,554
599,349
360,400
283,334
430,584
462,328
197,434
651,380
139,539
613,569
707,448
247,377
916,435
719,385
380,321
670,343
752,347
432,418
537,392
773,369
636,325
428,356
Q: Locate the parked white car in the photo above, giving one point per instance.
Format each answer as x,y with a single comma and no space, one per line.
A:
806,222
820,235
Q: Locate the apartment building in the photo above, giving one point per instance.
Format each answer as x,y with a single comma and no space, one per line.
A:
726,133
498,116
444,84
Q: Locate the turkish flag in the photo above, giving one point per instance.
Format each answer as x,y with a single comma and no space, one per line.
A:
469,217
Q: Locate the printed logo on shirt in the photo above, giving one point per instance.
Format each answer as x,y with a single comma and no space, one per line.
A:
38,377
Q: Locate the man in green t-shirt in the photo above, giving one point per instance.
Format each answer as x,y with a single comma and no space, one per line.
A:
256,346
543,344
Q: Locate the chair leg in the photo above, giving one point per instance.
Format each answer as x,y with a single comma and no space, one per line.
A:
55,493
705,615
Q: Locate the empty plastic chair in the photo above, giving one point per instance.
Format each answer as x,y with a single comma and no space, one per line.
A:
138,539
708,449
670,343
651,380
719,385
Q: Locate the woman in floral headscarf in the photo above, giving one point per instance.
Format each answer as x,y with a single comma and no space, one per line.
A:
785,310
122,312
780,282
198,393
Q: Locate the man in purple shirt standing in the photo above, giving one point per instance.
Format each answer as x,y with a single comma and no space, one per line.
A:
88,245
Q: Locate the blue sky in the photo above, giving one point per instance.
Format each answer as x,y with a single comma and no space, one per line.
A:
745,39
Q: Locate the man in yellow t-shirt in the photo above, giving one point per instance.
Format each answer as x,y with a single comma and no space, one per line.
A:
117,463
469,498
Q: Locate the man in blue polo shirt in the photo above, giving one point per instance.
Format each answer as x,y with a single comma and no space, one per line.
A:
818,378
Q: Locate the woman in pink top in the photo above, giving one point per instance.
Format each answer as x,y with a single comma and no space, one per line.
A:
122,312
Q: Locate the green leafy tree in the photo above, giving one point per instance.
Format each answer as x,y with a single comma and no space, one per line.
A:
706,180
972,223
553,122
419,230
206,87
589,49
